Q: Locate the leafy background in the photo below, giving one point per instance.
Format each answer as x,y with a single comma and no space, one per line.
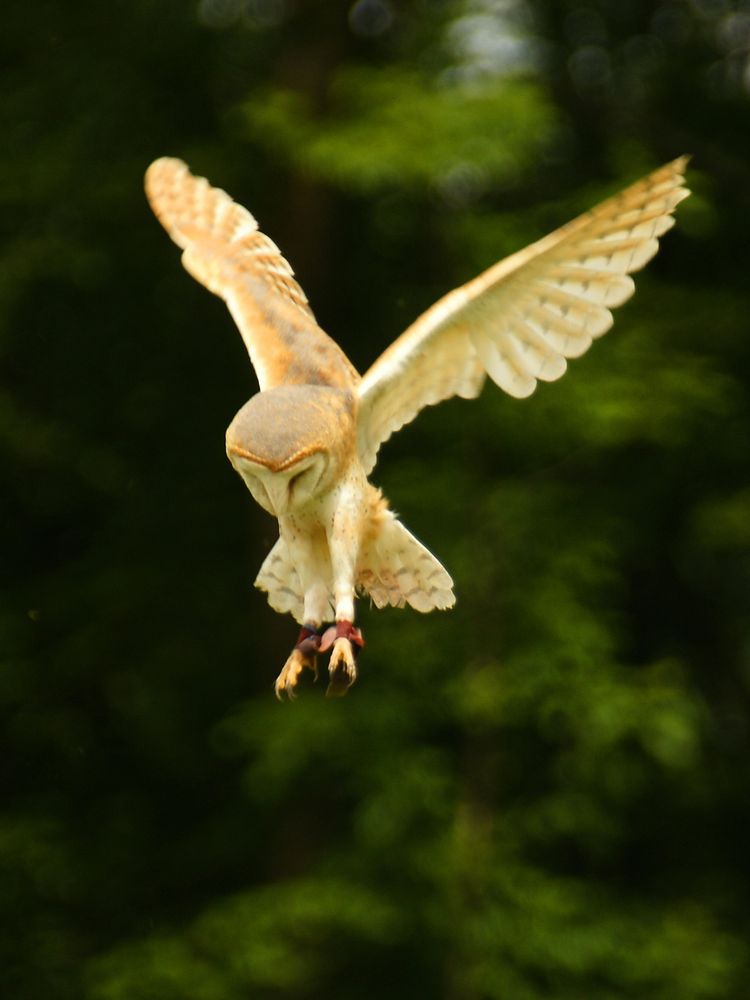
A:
543,794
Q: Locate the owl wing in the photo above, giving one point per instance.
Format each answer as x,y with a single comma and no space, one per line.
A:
519,320
225,251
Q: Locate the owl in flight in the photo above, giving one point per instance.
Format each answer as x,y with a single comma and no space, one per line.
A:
306,443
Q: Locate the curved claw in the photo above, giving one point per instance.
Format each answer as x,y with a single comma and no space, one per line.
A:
344,641
347,642
303,657
342,668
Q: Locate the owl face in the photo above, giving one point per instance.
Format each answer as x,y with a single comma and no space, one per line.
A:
288,491
289,444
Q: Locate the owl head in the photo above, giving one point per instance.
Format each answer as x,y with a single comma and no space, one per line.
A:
290,443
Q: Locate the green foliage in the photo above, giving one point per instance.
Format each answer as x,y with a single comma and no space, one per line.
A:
391,127
268,942
542,794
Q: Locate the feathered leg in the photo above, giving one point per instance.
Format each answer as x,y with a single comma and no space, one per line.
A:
343,544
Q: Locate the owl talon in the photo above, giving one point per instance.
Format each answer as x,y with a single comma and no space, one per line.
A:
344,641
342,668
303,657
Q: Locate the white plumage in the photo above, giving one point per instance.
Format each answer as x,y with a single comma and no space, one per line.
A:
307,442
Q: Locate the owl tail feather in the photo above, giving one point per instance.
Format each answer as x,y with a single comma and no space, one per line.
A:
278,577
394,568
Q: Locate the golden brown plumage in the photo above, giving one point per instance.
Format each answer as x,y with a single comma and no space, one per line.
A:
306,443
223,249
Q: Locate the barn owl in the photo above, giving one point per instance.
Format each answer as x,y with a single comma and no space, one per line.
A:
307,442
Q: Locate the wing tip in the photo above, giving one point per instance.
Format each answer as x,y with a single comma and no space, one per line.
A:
680,164
518,388
554,367
161,167
675,170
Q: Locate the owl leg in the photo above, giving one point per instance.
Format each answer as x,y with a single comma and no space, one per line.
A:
345,639
304,656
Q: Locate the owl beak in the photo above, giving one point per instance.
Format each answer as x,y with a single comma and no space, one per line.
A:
277,488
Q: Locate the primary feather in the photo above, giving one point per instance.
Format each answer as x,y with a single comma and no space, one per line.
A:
224,250
521,319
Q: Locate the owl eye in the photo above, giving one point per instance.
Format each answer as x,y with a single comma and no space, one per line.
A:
303,484
295,481
303,481
257,490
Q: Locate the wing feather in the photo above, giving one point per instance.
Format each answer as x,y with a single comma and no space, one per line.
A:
225,251
522,318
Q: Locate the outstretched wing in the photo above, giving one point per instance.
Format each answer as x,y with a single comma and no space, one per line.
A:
521,319
224,250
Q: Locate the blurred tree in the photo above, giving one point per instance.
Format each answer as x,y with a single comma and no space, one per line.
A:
542,794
